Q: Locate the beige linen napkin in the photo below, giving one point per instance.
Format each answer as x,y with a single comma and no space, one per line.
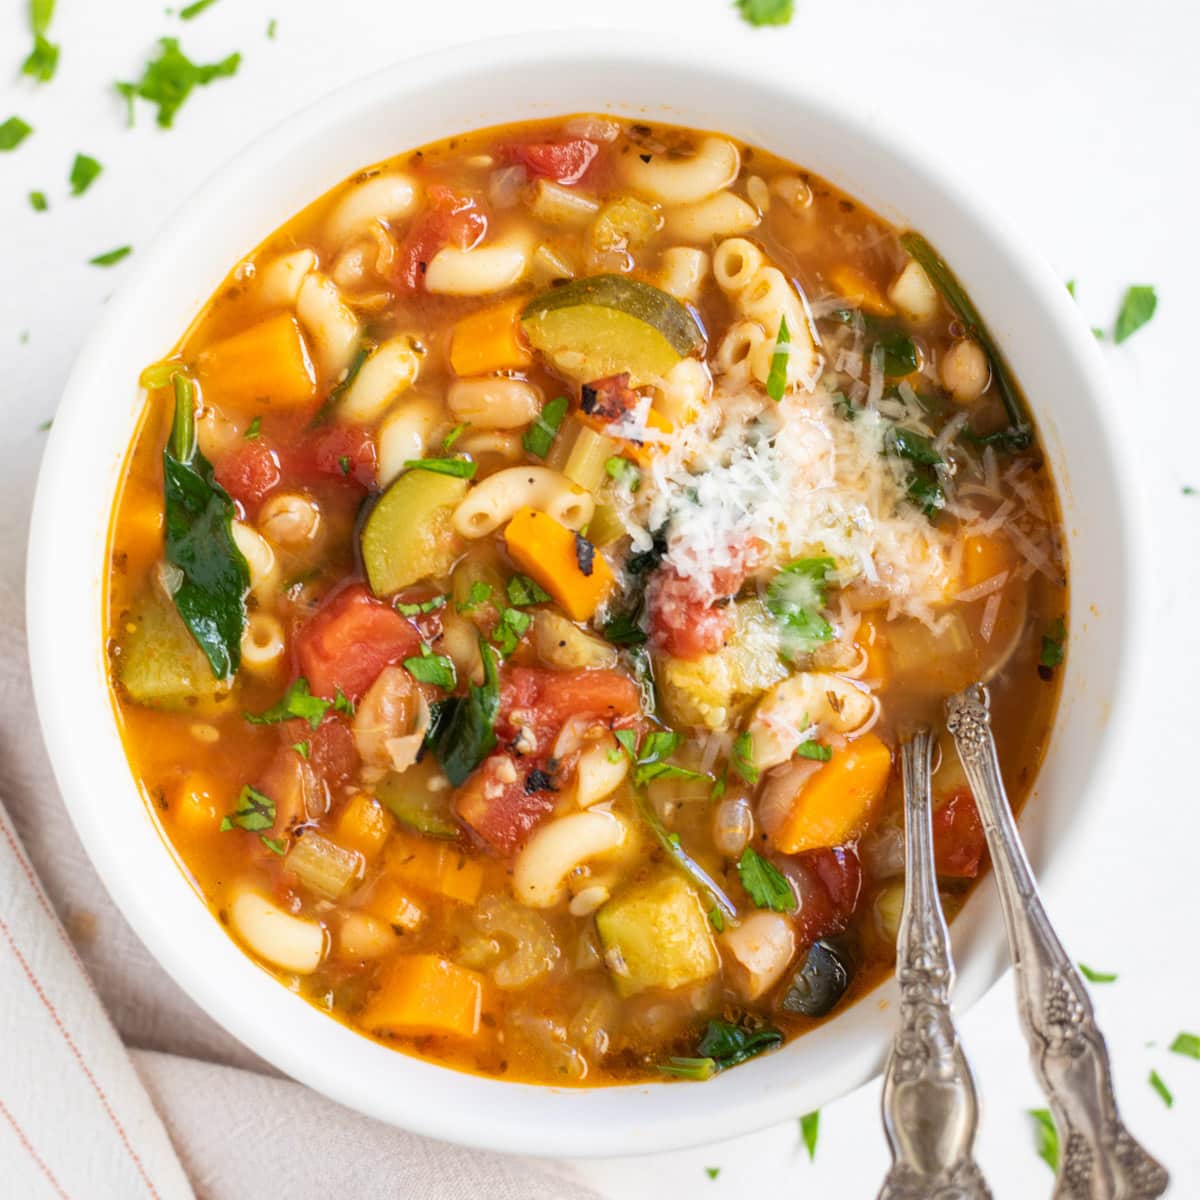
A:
74,1119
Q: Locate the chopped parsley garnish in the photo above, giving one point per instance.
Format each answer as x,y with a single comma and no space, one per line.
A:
523,591
539,437
627,739
169,79
926,493
38,201
1164,1092
344,463
437,669
255,812
302,748
44,426
1071,289
717,919
723,1045
1093,976
253,429
766,885
480,593
719,787
624,472
794,598
1052,653
342,704
298,702
651,758
1187,1044
1136,309
84,171
777,375
111,257
743,758
510,629
766,12
42,60
814,750
424,606
698,1069
810,1126
194,9
455,434
275,845
13,132
712,1172
1188,490
1047,1137
460,468
272,26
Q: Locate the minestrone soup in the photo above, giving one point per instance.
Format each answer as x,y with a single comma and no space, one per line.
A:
523,574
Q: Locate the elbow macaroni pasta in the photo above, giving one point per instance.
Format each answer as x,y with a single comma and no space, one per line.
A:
494,402
391,369
332,327
684,180
492,267
386,197
496,500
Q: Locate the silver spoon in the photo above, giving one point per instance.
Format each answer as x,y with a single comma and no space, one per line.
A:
1101,1160
929,1108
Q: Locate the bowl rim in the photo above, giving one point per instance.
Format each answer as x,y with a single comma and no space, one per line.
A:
576,1122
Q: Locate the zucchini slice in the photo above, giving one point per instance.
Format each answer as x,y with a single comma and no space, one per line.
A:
408,535
608,325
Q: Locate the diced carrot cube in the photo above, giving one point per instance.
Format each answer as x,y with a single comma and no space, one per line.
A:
265,366
641,452
388,901
490,340
435,866
363,826
860,291
870,639
985,555
563,562
424,994
194,805
835,803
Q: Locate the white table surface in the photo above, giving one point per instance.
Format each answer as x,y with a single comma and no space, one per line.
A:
1083,115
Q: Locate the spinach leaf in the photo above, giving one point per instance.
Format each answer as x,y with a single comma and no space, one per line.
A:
199,541
462,734
899,354
728,1044
911,446
925,492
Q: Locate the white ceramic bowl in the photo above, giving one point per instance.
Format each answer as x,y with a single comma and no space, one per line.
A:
424,100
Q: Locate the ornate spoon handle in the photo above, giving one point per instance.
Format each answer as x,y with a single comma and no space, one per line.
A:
929,1107
1101,1160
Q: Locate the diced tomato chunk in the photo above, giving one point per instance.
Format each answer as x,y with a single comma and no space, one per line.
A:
450,219
543,700
504,801
249,473
565,161
331,750
349,640
342,452
959,842
828,882
682,622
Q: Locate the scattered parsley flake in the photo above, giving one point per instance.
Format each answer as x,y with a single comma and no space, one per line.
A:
777,375
169,79
1136,310
743,757
84,172
539,437
38,201
1188,490
717,919
810,1127
302,748
814,750
111,257
437,669
1053,641
460,468
194,9
455,434
342,703
13,132
794,598
42,61
480,593
275,845
1071,288
253,430
1047,1137
272,26
523,591
44,427
255,812
767,886
299,702
425,606
1094,976
1187,1044
712,1172
510,629
623,471
766,12
344,463
1164,1092
628,740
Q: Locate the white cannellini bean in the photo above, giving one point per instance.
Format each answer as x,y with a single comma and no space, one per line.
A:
385,197
279,280
494,402
260,558
263,643
913,294
557,848
391,370
601,769
762,946
492,267
290,943
405,434
808,698
361,935
685,391
489,504
330,324
289,519
684,180
720,215
965,371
